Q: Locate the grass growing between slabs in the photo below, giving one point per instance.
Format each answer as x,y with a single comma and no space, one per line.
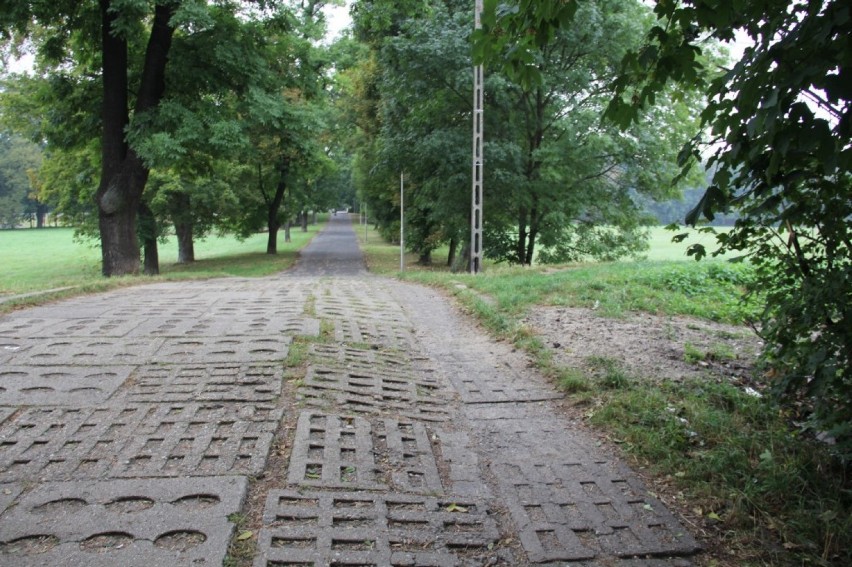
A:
51,259
756,490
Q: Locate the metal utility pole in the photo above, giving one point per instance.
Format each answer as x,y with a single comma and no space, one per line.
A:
476,201
401,224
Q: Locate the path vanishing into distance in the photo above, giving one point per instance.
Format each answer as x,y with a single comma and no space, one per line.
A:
322,416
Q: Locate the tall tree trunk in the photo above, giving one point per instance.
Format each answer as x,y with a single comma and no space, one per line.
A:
181,207
425,258
451,256
521,242
287,226
304,221
148,232
272,238
41,213
462,263
186,243
273,221
313,217
123,174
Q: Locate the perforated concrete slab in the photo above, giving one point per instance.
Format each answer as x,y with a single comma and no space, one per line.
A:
75,351
88,327
122,522
16,327
480,381
333,451
366,380
376,332
181,327
358,300
362,393
226,382
360,528
267,308
138,440
154,310
83,308
59,385
572,511
216,350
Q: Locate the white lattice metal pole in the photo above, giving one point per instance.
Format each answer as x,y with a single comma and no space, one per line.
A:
476,200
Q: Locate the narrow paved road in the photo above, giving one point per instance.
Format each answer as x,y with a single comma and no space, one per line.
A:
320,417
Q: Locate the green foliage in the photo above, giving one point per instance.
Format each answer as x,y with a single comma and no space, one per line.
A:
777,146
780,126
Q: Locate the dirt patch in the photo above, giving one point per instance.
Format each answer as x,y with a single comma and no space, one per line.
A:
649,346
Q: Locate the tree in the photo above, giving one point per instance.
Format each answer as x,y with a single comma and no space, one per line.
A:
19,163
99,38
575,174
776,132
556,177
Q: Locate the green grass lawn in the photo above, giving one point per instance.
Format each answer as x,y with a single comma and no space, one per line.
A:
36,260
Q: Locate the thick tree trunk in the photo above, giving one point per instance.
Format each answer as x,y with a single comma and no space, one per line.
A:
272,239
451,257
287,226
273,222
123,175
186,244
425,258
181,213
304,221
149,232
313,217
462,263
41,213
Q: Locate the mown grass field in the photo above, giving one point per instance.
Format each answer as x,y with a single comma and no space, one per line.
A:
758,490
47,259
